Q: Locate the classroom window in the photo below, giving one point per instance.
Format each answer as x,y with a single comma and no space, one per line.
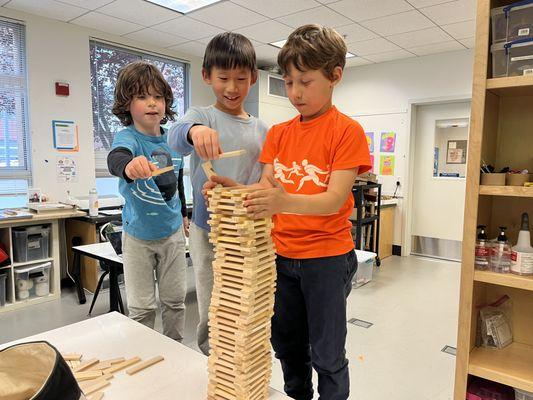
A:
15,171
106,61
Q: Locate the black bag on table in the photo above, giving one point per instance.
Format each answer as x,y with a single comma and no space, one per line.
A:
36,371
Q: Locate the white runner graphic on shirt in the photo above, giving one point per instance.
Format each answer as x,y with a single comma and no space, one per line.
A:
312,173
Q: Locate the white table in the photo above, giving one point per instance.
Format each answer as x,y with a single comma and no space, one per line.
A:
182,375
104,253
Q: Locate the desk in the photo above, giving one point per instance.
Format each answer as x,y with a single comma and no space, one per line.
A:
108,258
182,375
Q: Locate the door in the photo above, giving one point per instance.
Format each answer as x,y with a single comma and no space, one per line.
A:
440,153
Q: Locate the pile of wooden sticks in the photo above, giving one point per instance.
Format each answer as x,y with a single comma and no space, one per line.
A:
93,375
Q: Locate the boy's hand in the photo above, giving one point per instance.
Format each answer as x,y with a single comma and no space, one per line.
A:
205,142
267,202
186,225
217,180
139,168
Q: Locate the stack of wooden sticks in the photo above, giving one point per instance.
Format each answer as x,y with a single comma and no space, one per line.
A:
240,362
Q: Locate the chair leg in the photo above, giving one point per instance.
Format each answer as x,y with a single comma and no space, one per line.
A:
100,281
120,304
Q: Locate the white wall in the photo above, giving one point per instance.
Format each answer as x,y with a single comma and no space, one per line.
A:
389,87
271,109
58,51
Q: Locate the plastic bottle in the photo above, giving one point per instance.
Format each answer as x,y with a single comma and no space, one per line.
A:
93,203
482,260
522,253
501,253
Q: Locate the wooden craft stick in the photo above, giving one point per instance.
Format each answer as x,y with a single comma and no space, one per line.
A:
122,365
144,364
97,396
162,170
102,365
86,364
85,385
229,154
87,375
208,169
97,386
71,357
116,360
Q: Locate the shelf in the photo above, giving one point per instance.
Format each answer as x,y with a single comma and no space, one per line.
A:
514,191
368,220
365,221
510,280
18,304
22,264
511,86
511,366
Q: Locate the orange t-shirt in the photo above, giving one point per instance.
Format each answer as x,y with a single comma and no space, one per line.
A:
303,155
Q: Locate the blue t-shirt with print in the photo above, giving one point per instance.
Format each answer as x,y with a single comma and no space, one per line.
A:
153,208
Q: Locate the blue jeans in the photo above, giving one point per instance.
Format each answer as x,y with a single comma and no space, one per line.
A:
309,324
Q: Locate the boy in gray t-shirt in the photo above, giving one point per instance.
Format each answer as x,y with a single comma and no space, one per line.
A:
229,67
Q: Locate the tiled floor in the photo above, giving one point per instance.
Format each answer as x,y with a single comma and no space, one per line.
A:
412,303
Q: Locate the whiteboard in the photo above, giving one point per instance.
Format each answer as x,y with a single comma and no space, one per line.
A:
388,122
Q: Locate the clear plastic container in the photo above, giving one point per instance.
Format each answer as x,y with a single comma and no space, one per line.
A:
512,22
32,281
365,267
512,59
483,250
522,395
500,259
30,243
3,284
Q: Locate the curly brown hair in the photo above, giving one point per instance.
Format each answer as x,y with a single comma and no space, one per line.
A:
135,79
313,47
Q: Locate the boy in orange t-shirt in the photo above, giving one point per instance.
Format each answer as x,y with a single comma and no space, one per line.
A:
309,166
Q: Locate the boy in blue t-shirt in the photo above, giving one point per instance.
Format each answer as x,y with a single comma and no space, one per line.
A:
153,213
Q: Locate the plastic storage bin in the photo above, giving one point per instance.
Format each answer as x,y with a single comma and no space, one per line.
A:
3,286
30,243
522,395
32,281
512,59
365,267
512,22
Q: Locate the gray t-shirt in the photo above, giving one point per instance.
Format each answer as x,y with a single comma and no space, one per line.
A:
235,133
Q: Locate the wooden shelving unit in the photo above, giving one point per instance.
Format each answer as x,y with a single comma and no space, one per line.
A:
514,191
501,134
511,86
12,303
509,280
511,366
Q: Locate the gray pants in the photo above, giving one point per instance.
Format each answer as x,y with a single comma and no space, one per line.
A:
167,257
202,256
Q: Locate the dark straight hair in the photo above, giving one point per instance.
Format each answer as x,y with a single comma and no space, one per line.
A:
229,50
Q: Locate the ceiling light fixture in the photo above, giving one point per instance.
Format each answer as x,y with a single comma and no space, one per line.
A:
183,6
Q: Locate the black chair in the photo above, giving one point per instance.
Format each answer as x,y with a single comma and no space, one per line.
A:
114,270
113,285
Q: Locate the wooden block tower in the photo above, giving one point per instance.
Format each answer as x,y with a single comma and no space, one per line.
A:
242,299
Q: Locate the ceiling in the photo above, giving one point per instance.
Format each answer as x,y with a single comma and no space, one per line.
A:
375,30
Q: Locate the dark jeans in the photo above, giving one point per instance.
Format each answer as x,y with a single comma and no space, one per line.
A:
309,324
